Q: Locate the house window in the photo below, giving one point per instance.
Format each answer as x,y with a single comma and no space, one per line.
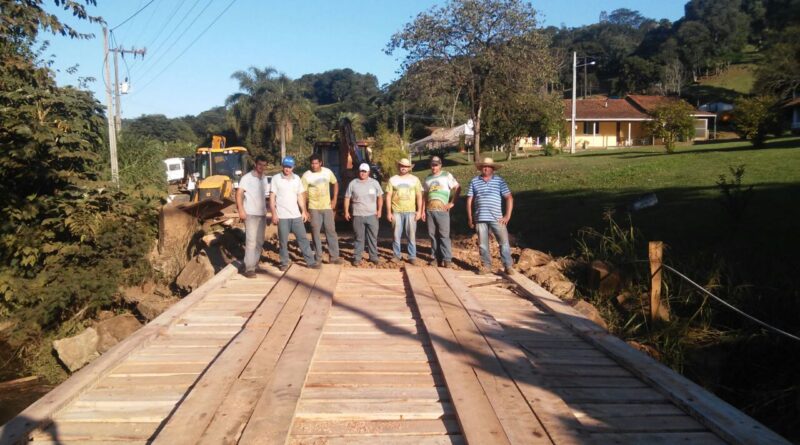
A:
590,127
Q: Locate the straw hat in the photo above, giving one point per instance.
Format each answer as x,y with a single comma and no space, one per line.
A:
405,163
488,162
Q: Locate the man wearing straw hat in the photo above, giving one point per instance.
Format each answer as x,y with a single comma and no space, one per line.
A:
485,197
404,192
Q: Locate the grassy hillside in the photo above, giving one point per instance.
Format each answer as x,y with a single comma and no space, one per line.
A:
738,78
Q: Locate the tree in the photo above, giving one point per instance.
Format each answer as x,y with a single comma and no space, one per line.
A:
695,45
482,46
779,72
672,122
727,24
755,117
639,74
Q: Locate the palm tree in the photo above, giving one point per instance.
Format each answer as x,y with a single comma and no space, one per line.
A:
267,107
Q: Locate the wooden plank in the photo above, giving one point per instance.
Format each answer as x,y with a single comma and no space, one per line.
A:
610,395
306,427
475,413
375,367
723,419
115,414
372,380
195,412
181,381
41,411
83,432
641,424
387,409
377,392
662,438
369,439
553,413
516,416
606,410
272,418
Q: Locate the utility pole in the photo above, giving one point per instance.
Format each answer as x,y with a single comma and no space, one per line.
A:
572,121
112,130
117,51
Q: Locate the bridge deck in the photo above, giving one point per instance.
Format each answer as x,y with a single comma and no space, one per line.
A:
348,356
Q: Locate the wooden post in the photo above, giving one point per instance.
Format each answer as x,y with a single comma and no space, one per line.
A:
656,251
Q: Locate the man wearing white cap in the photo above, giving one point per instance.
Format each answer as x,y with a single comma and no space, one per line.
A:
441,191
485,197
404,193
367,198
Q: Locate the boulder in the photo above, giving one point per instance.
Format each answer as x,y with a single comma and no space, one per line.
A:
196,272
563,289
532,258
152,306
74,352
113,330
589,311
604,278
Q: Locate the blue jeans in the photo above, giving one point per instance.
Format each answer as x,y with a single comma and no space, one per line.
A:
439,231
254,240
500,232
366,229
296,226
405,222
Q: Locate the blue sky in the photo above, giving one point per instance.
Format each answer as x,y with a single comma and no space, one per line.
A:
188,65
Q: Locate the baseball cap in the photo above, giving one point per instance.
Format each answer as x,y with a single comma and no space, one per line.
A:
288,161
364,167
436,160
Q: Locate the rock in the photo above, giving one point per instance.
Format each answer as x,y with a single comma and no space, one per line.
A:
153,306
175,230
647,349
532,258
196,272
104,315
604,278
114,330
74,352
589,311
563,289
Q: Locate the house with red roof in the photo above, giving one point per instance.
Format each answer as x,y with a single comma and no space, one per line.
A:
608,122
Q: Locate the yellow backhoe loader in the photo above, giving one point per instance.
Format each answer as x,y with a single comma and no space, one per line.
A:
213,183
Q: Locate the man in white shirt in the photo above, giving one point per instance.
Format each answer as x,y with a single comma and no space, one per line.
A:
288,206
251,202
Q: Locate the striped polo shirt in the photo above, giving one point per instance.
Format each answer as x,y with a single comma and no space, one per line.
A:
487,198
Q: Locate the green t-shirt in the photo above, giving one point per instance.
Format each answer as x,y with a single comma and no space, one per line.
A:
438,188
404,191
318,187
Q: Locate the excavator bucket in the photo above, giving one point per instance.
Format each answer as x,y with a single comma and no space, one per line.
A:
205,209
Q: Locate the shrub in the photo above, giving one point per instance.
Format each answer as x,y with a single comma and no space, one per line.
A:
672,122
755,117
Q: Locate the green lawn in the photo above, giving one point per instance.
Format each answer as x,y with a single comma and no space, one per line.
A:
556,196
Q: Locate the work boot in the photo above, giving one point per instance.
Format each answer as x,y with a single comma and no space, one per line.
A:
511,271
376,261
315,266
249,274
433,263
483,270
448,265
337,261
284,267
356,263
412,261
396,260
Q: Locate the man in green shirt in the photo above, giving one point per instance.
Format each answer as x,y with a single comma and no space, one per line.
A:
317,187
404,192
441,191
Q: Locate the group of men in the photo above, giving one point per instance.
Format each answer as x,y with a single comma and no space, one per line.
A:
295,200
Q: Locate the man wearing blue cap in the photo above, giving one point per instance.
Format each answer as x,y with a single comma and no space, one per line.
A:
288,207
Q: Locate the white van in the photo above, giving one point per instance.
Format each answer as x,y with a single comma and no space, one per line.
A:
174,170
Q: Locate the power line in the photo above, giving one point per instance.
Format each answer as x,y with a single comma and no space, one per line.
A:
134,15
161,55
202,33
164,26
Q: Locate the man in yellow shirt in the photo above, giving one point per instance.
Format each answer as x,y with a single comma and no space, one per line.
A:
404,192
317,186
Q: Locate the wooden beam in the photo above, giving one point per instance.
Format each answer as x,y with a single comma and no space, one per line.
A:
656,253
272,419
41,412
191,417
474,411
721,418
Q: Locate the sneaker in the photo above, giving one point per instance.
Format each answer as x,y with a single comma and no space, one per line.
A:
483,270
511,271
249,274
448,265
396,260
261,270
376,261
337,261
412,261
284,267
315,266
433,263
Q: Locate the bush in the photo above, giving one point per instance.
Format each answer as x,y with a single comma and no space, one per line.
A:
550,149
672,122
755,117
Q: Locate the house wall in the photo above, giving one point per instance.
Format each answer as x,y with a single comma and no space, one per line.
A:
605,134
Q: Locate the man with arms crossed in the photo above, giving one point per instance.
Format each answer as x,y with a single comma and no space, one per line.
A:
251,202
404,194
485,197
317,185
441,191
367,197
288,207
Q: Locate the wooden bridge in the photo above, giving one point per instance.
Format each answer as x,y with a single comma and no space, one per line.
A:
355,356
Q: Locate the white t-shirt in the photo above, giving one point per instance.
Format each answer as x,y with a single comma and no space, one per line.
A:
256,192
287,191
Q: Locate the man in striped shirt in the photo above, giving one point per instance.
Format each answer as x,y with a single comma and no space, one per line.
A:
485,197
